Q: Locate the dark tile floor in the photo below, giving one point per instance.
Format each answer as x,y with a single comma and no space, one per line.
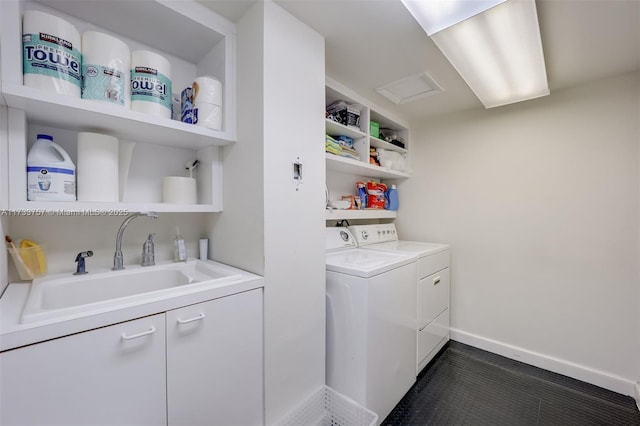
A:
464,385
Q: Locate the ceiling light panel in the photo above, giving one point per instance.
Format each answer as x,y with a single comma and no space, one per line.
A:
498,53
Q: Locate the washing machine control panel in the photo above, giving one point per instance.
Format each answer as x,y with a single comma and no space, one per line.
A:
339,238
373,234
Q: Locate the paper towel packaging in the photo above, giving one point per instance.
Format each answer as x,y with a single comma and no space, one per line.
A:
105,69
97,167
51,53
150,83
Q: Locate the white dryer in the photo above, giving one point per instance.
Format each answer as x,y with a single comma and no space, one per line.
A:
433,284
371,327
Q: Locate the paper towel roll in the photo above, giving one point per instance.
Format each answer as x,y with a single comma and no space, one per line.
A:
150,83
105,69
179,190
207,115
97,167
51,50
125,153
208,90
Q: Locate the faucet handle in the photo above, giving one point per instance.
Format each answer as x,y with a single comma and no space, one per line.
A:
80,269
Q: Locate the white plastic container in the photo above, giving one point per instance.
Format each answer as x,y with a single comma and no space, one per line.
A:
51,175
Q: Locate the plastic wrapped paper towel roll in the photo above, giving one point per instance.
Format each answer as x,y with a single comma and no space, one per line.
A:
207,115
51,50
105,69
150,83
97,167
208,90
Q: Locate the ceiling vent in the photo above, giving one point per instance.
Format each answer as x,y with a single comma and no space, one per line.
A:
410,88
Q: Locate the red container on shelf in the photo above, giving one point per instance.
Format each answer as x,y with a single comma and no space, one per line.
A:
376,195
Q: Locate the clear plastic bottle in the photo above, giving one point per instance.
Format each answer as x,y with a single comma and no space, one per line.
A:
179,248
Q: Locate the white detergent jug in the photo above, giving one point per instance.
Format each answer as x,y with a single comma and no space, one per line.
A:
51,175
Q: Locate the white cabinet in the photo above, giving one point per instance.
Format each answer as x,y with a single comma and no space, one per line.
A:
343,172
205,46
433,306
214,362
112,375
200,364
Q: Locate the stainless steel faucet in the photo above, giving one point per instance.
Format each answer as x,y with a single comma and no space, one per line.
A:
118,258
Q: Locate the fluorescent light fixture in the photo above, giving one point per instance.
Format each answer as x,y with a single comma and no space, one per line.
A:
436,15
410,88
497,50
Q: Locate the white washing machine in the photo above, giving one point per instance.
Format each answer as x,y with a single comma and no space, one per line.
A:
371,322
433,284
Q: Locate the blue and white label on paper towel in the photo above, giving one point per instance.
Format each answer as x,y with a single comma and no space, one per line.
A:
103,84
50,180
147,84
51,56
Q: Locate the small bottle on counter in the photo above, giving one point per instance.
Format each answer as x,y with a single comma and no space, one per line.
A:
179,248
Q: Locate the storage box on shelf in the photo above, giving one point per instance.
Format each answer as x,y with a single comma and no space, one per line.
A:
206,46
360,169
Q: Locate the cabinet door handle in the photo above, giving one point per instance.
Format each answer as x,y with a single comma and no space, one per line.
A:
436,281
187,321
135,336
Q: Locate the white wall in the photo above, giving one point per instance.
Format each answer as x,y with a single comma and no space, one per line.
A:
540,202
237,234
64,237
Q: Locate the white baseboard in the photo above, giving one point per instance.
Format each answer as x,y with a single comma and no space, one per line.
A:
567,368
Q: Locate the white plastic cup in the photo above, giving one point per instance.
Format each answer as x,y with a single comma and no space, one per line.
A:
204,248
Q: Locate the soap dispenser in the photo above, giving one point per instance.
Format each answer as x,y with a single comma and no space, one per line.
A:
148,252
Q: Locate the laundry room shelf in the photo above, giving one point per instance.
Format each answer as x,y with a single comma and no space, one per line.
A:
360,214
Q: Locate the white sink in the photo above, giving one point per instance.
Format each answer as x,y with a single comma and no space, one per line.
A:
65,295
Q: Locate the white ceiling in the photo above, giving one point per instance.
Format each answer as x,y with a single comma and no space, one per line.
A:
370,43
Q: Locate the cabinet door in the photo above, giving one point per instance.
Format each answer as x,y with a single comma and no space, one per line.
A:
109,376
214,362
433,297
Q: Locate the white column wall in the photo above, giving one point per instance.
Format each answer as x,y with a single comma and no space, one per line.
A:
294,212
272,225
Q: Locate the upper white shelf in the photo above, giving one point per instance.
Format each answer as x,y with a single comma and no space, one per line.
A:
80,114
348,165
379,143
334,129
206,46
